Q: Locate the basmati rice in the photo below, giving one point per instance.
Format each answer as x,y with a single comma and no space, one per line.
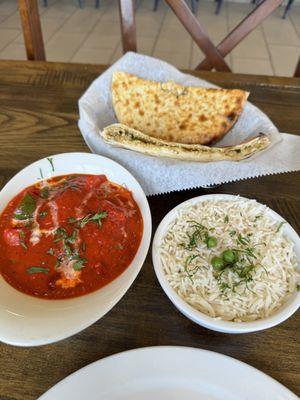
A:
273,280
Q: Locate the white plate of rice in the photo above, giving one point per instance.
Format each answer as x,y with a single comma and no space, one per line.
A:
228,263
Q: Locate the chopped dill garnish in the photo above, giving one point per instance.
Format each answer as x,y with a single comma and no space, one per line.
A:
280,225
243,239
233,267
223,286
190,272
199,233
265,269
240,261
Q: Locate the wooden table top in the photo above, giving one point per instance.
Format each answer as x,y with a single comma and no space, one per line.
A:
38,117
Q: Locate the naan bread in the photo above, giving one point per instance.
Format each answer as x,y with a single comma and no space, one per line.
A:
122,136
169,111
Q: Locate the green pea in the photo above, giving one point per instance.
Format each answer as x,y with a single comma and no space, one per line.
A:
211,242
217,263
228,256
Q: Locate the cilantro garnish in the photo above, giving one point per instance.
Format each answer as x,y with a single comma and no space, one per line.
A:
50,159
26,208
37,270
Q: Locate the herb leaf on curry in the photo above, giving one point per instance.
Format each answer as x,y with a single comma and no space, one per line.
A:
45,192
26,208
97,217
22,239
38,270
79,265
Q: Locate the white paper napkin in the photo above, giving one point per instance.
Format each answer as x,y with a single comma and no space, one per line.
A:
158,175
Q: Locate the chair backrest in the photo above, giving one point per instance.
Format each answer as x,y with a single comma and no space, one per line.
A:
214,54
128,28
32,31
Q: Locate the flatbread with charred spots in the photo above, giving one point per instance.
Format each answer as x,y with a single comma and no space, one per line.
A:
175,113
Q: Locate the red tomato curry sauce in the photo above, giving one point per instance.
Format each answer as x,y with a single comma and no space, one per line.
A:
68,236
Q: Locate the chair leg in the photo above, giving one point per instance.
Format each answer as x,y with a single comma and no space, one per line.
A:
219,5
97,4
32,31
287,8
193,6
81,3
155,5
45,3
297,72
137,3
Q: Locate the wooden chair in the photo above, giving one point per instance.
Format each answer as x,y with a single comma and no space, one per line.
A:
193,5
220,3
214,54
287,8
32,30
297,71
80,2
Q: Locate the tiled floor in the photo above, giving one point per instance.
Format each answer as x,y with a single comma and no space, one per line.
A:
93,35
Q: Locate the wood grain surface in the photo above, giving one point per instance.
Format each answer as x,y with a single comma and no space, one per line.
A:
38,117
